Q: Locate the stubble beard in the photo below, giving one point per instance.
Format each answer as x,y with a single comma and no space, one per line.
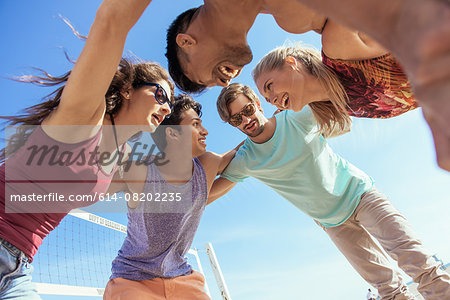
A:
257,132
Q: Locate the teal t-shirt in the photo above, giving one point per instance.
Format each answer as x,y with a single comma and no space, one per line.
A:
300,166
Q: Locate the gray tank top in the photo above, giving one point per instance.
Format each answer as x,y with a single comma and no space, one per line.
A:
160,233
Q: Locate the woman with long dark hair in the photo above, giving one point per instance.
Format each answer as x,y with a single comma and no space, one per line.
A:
69,147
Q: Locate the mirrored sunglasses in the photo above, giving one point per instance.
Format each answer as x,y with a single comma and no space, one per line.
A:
248,110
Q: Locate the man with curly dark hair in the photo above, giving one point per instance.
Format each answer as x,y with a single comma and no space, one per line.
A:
165,204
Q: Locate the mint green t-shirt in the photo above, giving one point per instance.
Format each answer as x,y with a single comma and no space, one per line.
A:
300,166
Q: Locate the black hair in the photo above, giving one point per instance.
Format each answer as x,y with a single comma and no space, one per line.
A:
180,25
182,103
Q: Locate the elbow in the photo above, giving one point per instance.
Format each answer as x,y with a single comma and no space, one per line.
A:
110,18
210,200
106,13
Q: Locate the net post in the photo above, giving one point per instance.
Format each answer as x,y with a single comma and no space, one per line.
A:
217,272
200,268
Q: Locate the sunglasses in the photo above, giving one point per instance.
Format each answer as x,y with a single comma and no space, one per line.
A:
248,110
160,94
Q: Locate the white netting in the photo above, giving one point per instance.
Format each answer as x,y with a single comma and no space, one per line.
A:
75,258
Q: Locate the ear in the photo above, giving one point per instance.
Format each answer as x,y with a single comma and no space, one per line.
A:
126,94
185,40
171,133
291,61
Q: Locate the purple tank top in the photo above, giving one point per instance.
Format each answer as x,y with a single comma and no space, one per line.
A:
160,234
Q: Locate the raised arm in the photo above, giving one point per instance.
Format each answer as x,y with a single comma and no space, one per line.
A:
83,98
220,187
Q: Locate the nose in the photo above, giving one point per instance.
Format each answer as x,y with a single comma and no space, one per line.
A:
245,119
278,104
204,132
214,82
273,100
165,109
222,82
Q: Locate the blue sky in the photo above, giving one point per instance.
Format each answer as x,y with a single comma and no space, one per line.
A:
267,248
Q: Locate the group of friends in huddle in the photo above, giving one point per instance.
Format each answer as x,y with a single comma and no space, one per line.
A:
360,72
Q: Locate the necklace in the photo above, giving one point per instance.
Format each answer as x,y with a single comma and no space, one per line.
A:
119,162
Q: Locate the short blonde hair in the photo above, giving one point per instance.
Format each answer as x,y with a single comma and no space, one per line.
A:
229,94
331,116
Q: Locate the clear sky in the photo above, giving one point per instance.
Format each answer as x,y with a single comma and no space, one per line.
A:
267,248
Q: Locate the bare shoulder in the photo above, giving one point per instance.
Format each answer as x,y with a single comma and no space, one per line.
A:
210,162
293,16
209,158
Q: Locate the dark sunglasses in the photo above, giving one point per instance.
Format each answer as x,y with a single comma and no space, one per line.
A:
248,110
160,94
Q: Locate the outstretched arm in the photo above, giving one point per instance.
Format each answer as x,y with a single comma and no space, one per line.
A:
220,187
227,157
214,164
83,98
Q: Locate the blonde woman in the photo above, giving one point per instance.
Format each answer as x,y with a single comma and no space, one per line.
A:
356,85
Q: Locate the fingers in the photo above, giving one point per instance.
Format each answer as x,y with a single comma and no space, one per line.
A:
441,141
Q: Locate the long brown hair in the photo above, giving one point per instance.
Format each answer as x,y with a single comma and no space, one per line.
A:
130,74
331,116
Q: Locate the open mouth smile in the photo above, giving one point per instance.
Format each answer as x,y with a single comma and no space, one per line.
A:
284,101
202,141
157,119
228,72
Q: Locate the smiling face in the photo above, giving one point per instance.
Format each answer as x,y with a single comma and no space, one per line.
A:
252,125
284,87
199,133
144,108
208,63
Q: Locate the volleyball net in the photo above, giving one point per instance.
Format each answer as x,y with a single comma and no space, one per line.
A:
75,258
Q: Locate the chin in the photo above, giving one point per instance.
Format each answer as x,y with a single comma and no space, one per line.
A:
198,152
297,108
152,128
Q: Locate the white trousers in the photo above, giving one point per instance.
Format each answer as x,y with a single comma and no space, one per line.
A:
376,217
